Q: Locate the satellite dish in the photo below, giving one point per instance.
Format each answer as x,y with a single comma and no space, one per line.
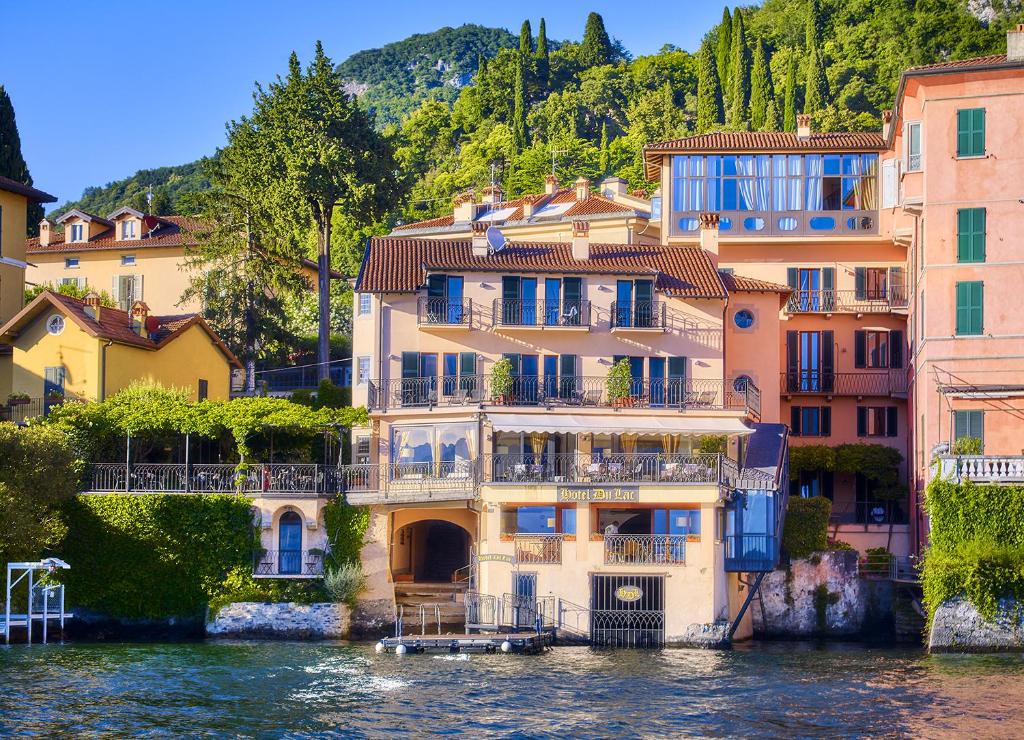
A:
495,239
150,222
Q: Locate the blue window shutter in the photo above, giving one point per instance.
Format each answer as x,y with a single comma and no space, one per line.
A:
826,421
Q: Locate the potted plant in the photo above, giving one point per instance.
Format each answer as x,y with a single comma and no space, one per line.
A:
55,397
501,381
968,446
620,384
18,399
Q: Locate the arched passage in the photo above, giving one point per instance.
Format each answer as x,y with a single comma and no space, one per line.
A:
429,551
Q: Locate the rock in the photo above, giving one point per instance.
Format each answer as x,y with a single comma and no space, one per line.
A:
372,619
958,627
283,620
713,635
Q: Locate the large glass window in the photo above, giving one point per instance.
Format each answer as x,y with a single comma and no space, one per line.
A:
538,520
438,449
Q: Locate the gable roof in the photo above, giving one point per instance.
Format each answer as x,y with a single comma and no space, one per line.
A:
171,231
400,265
84,215
113,325
123,210
13,186
741,284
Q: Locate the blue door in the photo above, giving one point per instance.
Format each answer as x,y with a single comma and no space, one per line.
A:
528,291
528,380
656,370
623,303
810,361
289,544
454,299
552,301
636,370
53,383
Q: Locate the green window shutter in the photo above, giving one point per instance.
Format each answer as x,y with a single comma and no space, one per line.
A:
970,132
978,252
963,136
970,319
978,132
970,235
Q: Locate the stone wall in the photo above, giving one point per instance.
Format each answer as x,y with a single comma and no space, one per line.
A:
281,620
958,628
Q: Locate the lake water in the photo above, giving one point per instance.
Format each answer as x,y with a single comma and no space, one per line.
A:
270,689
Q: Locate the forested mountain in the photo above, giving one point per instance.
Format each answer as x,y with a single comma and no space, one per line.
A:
167,183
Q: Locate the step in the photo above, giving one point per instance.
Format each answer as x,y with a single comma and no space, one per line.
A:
429,589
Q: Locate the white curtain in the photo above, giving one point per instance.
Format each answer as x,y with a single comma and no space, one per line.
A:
764,171
696,184
745,167
779,184
814,174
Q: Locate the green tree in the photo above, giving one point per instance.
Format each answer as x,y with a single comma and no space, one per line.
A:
543,60
816,97
12,163
596,48
789,114
709,93
813,26
762,90
772,117
526,39
723,50
69,289
310,149
519,129
603,161
739,99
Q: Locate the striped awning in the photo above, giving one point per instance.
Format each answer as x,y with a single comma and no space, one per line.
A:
557,423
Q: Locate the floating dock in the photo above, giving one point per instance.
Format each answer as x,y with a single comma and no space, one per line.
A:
526,643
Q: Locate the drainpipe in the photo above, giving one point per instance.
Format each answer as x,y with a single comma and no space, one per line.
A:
103,370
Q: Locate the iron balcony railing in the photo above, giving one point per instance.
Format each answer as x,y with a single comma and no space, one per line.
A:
583,391
541,313
982,468
258,479
21,411
865,513
538,549
274,563
644,467
751,553
411,481
307,377
645,549
638,315
863,383
444,311
852,301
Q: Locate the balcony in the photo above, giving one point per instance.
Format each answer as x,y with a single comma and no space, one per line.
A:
542,314
581,391
645,549
538,549
613,469
846,301
444,313
982,468
864,383
642,316
31,408
288,564
408,482
257,480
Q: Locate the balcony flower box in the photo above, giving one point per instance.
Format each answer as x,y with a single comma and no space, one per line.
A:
18,399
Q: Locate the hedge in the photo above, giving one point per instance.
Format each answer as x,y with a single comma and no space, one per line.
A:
806,527
976,545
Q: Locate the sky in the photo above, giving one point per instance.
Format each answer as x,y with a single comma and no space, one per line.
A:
103,89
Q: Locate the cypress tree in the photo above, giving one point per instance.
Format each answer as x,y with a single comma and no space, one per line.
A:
519,132
526,39
724,48
772,118
762,90
709,92
596,48
12,163
813,27
740,93
816,94
603,162
789,115
543,62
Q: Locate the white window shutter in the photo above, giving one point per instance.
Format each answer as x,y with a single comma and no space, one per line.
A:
890,184
137,288
115,290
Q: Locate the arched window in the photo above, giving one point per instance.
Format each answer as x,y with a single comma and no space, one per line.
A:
289,544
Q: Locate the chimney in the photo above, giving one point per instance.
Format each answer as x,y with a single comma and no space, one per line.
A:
92,305
582,189
550,184
44,233
491,194
530,205
480,238
803,126
1015,44
614,187
581,240
139,313
464,206
709,234
886,123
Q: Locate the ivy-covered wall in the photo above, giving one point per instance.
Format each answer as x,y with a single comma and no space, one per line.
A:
806,527
976,544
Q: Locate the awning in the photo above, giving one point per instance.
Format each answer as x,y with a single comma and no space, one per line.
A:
557,423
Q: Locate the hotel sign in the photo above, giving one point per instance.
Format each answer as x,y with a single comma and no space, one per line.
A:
495,558
629,594
610,494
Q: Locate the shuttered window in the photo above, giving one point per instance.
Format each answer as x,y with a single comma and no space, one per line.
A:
970,298
970,235
970,132
969,423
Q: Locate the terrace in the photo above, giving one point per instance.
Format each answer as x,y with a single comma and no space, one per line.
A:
863,383
847,301
982,468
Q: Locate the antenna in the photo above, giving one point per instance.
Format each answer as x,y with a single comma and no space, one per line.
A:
495,239
553,153
149,200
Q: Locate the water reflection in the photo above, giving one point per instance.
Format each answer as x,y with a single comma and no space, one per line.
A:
274,689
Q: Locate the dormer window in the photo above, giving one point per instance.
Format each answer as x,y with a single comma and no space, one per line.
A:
77,232
128,229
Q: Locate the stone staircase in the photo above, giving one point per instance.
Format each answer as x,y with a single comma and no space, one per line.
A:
449,597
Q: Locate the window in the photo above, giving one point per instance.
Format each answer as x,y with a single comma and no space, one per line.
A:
871,283
77,232
203,391
740,383
127,229
55,325
127,290
538,520
362,451
744,319
878,348
810,361
79,283
1,232
365,304
970,132
813,288
811,421
445,450
876,421
362,371
127,260
913,146
970,308
71,263
970,235
969,424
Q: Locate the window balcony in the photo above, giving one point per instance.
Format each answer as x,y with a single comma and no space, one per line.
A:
408,482
288,564
645,549
542,314
608,469
982,468
538,549
642,316
846,301
865,383
256,480
441,313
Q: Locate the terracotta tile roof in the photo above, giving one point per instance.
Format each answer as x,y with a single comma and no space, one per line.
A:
594,205
955,64
13,186
114,324
400,265
172,232
740,283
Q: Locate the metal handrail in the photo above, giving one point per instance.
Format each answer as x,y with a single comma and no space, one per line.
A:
308,563
538,549
863,383
257,479
645,549
438,311
639,315
830,301
641,467
540,313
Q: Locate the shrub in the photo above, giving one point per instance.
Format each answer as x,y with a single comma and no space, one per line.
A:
346,526
239,585
501,378
968,446
806,527
712,443
344,582
620,380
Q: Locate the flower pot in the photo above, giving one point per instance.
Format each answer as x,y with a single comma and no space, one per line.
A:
623,402
17,401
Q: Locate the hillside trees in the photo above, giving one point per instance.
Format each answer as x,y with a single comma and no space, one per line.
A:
709,94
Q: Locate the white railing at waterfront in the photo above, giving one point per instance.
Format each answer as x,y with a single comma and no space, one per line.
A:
983,468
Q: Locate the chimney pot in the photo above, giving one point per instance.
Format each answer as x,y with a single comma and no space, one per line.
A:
709,223
464,206
550,184
480,238
92,305
491,194
581,240
803,126
612,187
138,315
1015,44
44,233
582,189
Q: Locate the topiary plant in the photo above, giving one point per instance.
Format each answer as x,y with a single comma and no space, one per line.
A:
620,382
501,380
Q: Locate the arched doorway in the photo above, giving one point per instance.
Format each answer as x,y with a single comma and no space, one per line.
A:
289,544
430,551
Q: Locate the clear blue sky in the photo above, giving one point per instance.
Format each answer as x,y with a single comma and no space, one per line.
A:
102,89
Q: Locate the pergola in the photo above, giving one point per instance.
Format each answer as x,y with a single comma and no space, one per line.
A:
45,601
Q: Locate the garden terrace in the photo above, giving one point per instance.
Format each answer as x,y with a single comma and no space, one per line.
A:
982,468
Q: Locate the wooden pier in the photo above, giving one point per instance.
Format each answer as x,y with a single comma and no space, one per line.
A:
526,643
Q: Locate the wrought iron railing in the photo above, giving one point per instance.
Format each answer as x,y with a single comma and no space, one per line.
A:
582,391
864,383
541,313
429,480
306,377
877,512
645,549
640,467
638,315
444,311
983,468
272,563
538,549
258,479
853,301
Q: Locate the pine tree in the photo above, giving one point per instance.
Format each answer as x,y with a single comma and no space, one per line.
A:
526,39
789,115
724,48
596,48
772,118
519,133
709,92
12,163
603,160
740,95
762,90
543,62
813,27
481,65
817,94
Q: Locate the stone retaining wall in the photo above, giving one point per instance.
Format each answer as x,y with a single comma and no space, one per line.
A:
958,628
281,620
